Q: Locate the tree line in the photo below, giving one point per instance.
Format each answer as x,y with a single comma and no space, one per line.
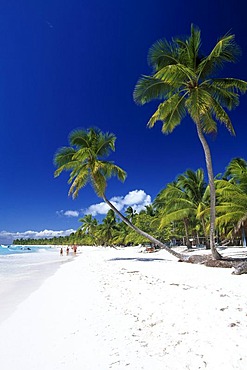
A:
179,214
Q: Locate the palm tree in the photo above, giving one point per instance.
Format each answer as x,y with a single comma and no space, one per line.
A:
183,200
84,158
89,225
184,80
237,171
194,186
175,207
109,226
231,207
149,209
121,235
130,213
231,192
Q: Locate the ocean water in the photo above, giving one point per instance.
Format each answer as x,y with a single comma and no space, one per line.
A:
19,261
22,270
21,249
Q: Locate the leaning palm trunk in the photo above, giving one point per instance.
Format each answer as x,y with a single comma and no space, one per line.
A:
209,165
143,233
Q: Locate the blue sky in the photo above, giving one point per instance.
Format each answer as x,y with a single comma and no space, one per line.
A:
66,64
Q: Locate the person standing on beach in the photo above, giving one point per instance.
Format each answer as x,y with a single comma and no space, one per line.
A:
61,251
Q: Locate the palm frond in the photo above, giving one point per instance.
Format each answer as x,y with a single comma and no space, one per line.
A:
198,103
194,43
177,215
175,75
63,155
63,159
78,183
209,125
149,88
236,172
109,169
99,183
162,53
78,169
106,143
225,50
224,96
236,168
222,116
232,84
79,138
82,155
171,113
191,47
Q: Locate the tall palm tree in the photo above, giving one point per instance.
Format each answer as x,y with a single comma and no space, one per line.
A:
184,80
85,159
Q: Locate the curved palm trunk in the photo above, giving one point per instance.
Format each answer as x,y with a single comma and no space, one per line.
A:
143,233
208,159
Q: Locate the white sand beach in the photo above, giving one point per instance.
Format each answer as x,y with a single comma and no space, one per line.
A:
122,309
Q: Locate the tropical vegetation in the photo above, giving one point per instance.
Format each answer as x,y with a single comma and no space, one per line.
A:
184,79
178,215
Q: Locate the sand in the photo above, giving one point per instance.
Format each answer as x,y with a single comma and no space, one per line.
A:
122,309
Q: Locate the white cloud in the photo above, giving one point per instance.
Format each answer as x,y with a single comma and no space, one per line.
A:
68,213
97,209
101,208
7,237
71,213
137,199
133,199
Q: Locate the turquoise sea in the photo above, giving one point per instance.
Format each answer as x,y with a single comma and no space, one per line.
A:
22,260
22,270
17,249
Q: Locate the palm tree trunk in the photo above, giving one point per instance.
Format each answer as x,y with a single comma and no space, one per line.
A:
143,233
209,165
205,233
188,244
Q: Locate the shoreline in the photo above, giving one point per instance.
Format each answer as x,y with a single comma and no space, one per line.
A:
117,309
16,288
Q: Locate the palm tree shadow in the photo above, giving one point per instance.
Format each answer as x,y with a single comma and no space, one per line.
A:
137,259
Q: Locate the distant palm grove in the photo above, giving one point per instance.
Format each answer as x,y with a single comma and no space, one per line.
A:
179,214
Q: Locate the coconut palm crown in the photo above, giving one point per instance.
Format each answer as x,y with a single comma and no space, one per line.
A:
85,159
185,81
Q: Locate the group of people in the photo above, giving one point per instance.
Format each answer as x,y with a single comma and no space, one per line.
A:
74,248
